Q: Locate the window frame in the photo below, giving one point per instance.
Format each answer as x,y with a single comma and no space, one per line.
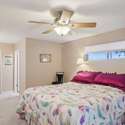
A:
109,55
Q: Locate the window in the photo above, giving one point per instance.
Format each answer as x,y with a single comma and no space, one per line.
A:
95,56
118,54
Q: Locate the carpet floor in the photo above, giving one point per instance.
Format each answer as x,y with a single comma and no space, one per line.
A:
8,112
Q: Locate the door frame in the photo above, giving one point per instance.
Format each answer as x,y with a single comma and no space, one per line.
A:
17,71
1,71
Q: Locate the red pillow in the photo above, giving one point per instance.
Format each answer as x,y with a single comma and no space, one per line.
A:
110,79
85,76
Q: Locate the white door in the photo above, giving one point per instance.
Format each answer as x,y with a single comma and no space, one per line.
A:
16,72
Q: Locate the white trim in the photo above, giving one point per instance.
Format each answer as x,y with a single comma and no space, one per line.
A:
16,71
1,71
8,94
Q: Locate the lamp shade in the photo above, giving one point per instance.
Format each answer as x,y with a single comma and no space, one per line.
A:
62,30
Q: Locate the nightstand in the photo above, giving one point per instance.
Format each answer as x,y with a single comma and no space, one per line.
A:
59,78
55,83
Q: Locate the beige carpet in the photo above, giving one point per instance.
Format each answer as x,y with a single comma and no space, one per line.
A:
8,112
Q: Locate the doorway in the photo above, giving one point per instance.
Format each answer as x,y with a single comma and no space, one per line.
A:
7,86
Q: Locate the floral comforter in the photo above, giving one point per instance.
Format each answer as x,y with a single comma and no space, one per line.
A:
72,104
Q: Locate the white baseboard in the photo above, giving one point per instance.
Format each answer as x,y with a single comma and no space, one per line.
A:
8,94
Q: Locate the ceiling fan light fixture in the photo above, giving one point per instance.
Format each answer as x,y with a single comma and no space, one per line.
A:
62,30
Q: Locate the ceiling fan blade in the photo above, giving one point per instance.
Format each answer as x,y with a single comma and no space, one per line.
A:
39,22
48,31
83,25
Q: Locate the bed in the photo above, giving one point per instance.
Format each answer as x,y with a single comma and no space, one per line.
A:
73,104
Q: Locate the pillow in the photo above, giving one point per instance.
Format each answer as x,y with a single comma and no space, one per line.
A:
110,79
85,76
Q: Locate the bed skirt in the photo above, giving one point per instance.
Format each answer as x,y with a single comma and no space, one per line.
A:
34,120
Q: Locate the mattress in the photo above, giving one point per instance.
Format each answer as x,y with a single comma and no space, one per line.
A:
72,104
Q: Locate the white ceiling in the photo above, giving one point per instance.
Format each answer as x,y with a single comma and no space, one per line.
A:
14,15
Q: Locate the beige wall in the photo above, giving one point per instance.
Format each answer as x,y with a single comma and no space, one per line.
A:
42,73
65,58
7,70
73,51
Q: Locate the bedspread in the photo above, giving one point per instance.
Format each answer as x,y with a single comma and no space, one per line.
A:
72,104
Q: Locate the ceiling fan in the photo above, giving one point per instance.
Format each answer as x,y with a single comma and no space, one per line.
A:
63,24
